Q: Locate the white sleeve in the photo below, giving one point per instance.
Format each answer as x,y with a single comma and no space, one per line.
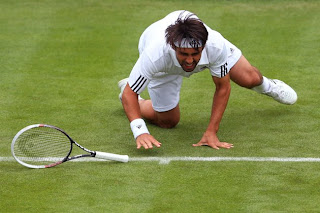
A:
217,53
141,74
220,67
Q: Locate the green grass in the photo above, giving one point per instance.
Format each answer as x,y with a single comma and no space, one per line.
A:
60,64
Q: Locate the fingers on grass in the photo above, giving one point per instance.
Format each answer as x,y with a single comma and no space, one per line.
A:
214,146
200,144
148,144
227,145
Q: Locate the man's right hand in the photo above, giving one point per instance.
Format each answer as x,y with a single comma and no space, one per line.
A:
147,141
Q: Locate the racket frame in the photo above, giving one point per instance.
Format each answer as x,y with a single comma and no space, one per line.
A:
67,158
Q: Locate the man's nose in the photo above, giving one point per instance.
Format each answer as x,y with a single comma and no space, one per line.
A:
189,59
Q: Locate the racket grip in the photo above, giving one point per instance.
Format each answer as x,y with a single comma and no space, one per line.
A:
110,156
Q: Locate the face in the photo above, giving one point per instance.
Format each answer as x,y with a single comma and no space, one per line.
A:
188,58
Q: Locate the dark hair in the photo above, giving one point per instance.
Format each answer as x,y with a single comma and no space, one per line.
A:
189,28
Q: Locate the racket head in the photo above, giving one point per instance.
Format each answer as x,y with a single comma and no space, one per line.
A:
41,146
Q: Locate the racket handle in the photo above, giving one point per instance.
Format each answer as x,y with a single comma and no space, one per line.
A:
110,156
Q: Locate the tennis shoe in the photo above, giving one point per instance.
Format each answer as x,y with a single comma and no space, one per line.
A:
282,92
122,84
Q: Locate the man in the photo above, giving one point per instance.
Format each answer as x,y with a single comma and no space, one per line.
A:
178,46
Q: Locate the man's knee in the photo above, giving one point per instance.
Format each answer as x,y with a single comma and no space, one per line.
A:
255,78
245,75
168,123
248,77
168,119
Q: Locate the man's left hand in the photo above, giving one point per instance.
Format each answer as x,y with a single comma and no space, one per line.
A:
211,139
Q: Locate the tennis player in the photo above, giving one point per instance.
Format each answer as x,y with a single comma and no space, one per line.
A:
178,46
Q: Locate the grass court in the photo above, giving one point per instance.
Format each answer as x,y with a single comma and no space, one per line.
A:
60,64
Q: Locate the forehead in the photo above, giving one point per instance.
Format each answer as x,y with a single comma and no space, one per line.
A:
189,50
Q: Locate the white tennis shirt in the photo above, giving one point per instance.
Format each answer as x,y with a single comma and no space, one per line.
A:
157,58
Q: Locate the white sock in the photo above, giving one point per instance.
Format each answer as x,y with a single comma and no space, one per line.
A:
264,87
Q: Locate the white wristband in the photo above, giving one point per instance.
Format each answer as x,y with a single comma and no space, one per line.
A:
138,127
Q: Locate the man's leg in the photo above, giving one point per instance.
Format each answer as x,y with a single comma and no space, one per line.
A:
168,119
246,75
165,95
163,107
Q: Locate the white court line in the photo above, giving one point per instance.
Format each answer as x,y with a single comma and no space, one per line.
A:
167,160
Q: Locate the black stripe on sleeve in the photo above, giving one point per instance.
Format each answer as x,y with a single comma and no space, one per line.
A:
144,81
136,81
138,84
224,70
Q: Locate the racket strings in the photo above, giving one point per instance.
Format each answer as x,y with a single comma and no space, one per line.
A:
42,145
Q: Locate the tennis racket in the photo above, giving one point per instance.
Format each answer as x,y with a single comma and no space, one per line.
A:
44,146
